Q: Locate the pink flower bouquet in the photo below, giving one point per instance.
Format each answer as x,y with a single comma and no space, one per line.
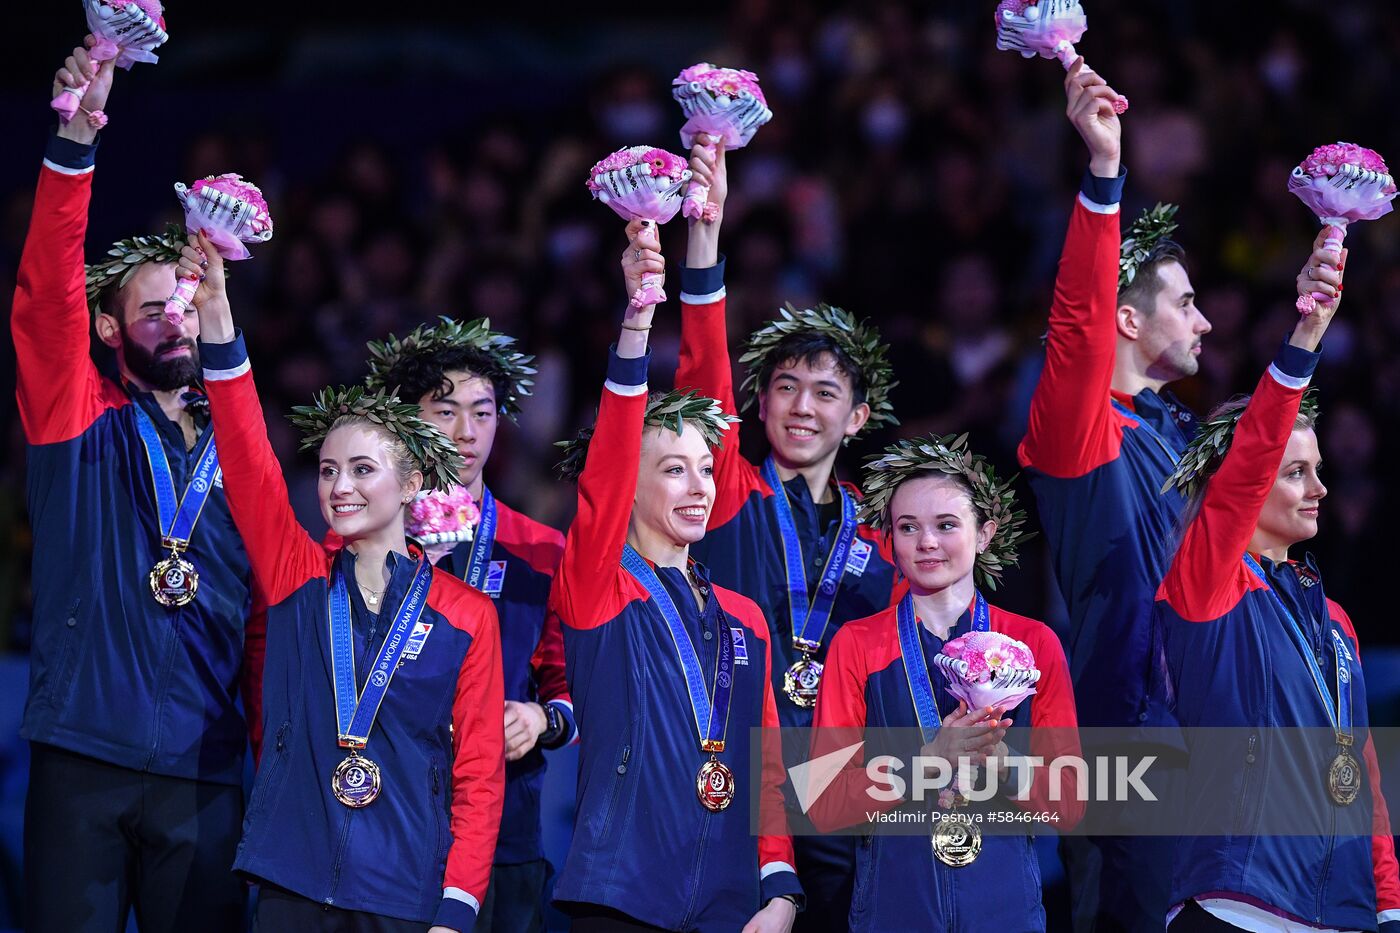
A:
721,102
641,183
988,669
1048,28
127,32
231,212
442,520
1341,183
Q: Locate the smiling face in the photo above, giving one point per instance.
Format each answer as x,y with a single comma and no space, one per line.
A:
1290,513
468,414
151,352
1168,337
364,483
935,532
675,488
808,408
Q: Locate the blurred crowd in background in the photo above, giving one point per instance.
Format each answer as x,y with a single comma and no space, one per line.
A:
419,166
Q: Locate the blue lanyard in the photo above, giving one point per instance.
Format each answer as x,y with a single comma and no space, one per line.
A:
809,615
1151,431
1341,717
355,714
483,541
711,717
177,519
916,666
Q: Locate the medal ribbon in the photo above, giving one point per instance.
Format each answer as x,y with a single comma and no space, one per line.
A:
1151,431
711,718
809,626
1341,716
916,666
355,714
483,541
177,519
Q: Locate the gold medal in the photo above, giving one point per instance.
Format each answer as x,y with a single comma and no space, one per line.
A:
174,581
356,781
1344,778
714,785
801,680
957,841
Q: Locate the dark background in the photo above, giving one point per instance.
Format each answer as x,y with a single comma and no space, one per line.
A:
425,160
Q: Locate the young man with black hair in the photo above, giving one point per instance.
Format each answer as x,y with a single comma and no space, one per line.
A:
464,378
784,532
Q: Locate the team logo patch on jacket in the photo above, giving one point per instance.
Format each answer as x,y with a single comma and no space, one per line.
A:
495,578
741,648
858,558
416,640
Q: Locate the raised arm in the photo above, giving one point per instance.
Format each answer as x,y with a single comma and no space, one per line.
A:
705,364
1072,427
1199,584
283,556
608,484
58,388
478,770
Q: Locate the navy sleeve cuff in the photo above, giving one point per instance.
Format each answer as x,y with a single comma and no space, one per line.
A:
223,357
69,154
1105,191
455,915
703,281
631,372
1297,362
781,884
1390,926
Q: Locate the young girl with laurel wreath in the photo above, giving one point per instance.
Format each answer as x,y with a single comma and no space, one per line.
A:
378,795
668,672
952,526
1255,648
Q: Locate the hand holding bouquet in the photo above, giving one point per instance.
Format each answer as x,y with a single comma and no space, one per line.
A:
641,183
724,103
127,32
1048,28
1341,183
231,212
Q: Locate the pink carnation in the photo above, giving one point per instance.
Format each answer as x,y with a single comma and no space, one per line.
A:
662,164
439,512
731,82
985,653
235,187
1326,160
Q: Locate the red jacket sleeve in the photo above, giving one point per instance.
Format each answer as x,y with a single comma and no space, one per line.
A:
705,367
478,759
283,556
1073,428
548,661
59,390
1206,577
839,723
1383,862
1054,732
585,591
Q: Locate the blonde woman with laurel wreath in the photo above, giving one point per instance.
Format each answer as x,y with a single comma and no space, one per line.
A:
378,795
668,673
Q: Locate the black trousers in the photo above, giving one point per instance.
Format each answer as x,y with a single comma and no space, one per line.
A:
100,840
1194,918
514,899
282,911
